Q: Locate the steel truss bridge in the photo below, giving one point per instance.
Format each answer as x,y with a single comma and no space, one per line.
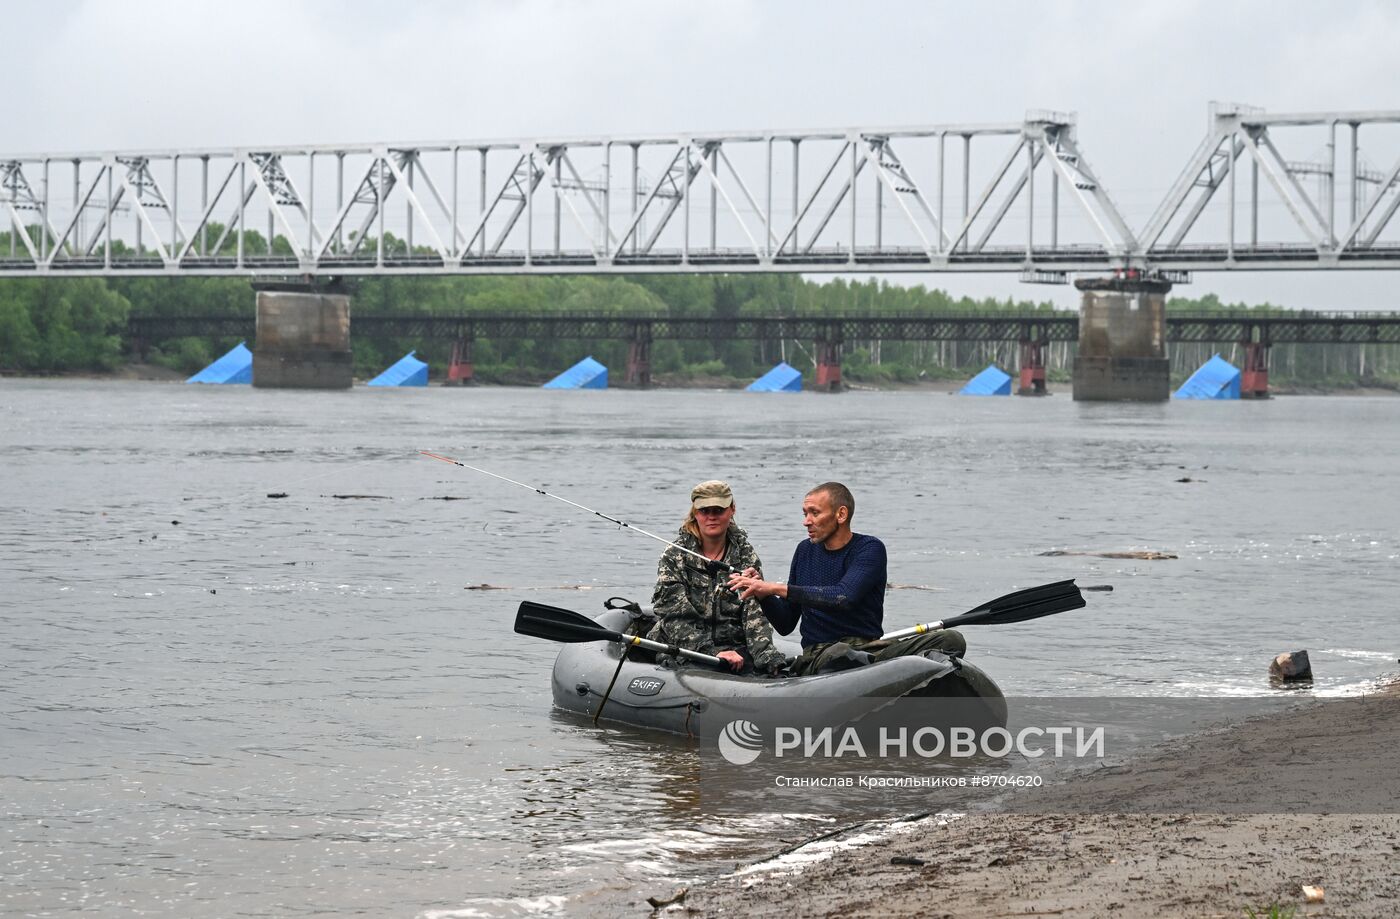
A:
1044,327
1016,197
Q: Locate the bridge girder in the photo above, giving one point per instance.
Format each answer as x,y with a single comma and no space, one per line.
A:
1025,199
1043,327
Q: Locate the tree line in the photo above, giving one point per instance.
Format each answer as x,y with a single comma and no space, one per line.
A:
66,324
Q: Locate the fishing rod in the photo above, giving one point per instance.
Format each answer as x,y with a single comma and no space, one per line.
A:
540,491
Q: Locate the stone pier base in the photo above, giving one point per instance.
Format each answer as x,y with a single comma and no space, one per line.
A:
1121,379
1122,341
303,341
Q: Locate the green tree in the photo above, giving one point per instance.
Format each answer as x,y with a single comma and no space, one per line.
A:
73,324
19,339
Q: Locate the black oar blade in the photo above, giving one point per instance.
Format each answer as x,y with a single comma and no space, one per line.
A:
1023,605
540,621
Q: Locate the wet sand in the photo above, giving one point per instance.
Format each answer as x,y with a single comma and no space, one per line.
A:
1127,840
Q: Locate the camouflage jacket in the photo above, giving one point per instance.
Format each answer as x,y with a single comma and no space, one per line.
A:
695,608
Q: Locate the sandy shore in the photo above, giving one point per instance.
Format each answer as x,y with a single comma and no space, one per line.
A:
1090,857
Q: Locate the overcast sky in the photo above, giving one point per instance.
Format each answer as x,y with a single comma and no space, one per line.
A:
113,74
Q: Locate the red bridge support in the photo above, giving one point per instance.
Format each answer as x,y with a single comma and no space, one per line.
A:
639,364
829,366
639,356
459,368
1254,378
1032,367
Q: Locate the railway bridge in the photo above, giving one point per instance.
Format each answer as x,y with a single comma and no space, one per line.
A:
1032,331
1262,191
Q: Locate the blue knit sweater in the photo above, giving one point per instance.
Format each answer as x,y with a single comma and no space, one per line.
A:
835,594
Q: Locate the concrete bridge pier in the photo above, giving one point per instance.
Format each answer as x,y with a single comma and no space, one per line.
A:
303,341
1122,340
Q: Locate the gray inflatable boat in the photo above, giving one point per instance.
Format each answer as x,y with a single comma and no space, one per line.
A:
700,702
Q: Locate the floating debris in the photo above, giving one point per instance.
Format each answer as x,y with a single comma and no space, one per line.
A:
535,587
362,497
677,897
1147,555
277,494
907,860
444,498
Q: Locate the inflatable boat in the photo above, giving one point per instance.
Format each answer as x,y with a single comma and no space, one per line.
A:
701,701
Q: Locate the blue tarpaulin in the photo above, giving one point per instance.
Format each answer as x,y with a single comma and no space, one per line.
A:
782,378
586,374
409,371
1217,379
234,367
990,382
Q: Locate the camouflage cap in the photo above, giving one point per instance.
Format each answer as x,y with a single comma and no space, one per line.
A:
711,494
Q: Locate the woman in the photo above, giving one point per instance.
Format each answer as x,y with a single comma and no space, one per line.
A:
693,604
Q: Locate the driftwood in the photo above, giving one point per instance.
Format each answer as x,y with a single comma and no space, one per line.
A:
1102,587
677,897
535,587
1146,555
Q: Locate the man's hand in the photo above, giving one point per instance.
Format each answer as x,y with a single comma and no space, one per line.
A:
734,659
750,572
750,586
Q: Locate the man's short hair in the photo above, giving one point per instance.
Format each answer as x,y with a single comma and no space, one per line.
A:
840,496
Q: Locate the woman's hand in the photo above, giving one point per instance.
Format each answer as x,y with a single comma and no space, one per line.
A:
734,659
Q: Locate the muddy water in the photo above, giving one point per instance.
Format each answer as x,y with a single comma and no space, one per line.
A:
213,702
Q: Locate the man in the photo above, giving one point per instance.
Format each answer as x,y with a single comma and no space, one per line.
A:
836,591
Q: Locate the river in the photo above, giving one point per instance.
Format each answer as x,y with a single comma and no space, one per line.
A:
216,702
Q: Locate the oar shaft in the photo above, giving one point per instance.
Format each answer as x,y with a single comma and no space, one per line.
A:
540,491
913,630
639,642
